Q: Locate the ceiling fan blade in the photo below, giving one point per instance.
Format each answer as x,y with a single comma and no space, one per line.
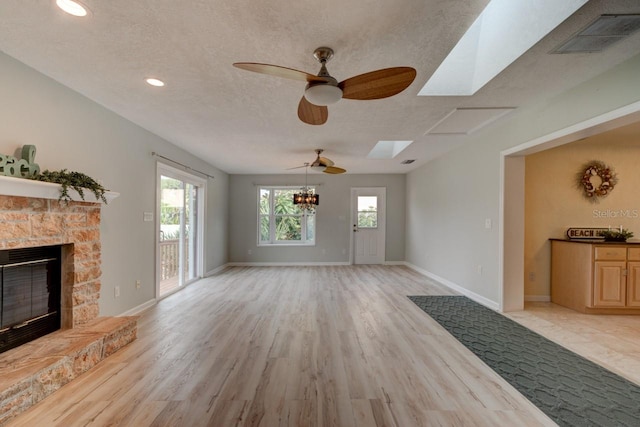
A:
378,84
278,71
326,162
297,167
312,114
334,170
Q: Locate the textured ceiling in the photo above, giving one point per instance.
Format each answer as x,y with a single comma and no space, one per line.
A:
244,122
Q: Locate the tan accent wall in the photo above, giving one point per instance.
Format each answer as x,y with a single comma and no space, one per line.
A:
553,201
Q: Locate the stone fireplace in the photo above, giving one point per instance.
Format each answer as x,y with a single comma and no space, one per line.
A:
32,222
31,216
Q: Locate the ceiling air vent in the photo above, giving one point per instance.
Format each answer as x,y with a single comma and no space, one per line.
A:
600,34
407,162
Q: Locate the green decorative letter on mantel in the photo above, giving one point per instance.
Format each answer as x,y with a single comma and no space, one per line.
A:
20,168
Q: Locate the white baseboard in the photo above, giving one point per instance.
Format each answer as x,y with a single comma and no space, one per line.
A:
537,298
284,264
142,307
139,309
216,270
394,263
466,292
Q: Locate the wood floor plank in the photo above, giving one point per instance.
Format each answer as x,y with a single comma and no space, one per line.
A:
300,413
267,405
363,413
313,346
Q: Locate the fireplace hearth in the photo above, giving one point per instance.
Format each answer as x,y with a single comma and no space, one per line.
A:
30,285
68,273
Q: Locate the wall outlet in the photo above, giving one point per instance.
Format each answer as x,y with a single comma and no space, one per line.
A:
487,223
479,270
249,252
532,276
137,284
147,216
116,291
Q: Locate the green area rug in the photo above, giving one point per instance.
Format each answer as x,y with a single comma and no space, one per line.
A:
570,389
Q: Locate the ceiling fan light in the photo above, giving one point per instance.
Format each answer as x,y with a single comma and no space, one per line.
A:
322,94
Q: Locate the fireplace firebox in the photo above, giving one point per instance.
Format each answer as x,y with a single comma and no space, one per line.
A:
30,288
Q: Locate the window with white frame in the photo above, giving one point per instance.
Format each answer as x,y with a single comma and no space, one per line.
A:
282,222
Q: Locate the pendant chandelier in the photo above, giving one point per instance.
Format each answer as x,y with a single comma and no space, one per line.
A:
305,199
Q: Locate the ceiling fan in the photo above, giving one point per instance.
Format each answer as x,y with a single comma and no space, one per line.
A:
323,89
322,164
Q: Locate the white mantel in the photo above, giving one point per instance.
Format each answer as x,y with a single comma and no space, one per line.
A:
10,186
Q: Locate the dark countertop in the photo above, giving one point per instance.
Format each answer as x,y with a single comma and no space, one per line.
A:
597,242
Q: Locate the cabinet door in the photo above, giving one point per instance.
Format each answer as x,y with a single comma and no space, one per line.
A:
633,284
609,285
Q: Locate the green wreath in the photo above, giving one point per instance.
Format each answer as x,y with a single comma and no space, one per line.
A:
605,175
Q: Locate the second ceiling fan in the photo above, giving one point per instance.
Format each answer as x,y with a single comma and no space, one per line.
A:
323,164
323,89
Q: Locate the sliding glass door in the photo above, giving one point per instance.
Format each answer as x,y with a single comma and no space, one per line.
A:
180,229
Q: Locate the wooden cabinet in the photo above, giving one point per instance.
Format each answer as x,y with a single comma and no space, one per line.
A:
633,284
596,277
610,284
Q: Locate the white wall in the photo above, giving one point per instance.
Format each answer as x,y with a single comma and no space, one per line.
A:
449,198
72,132
333,227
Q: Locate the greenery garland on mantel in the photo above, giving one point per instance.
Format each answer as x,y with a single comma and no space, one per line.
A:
596,179
70,179
24,166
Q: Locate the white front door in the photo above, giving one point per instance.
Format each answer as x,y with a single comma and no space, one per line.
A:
368,219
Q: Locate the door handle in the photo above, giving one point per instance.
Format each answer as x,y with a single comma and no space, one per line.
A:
355,228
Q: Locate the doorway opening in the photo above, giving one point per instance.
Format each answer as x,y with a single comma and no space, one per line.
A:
512,210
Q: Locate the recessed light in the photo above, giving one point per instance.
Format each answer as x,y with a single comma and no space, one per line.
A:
155,82
73,7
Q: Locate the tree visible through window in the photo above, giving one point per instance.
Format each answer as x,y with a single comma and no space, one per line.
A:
367,212
170,211
280,221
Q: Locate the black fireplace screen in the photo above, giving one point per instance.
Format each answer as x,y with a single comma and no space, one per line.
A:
30,281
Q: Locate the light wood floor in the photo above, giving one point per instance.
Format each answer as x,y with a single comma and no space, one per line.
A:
297,346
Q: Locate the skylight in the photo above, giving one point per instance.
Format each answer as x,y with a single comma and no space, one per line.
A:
504,30
388,149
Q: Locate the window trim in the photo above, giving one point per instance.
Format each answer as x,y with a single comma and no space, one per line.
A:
272,218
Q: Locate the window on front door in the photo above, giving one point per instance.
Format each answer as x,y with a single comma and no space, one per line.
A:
367,211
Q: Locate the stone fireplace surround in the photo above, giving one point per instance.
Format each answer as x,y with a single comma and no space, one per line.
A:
31,215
